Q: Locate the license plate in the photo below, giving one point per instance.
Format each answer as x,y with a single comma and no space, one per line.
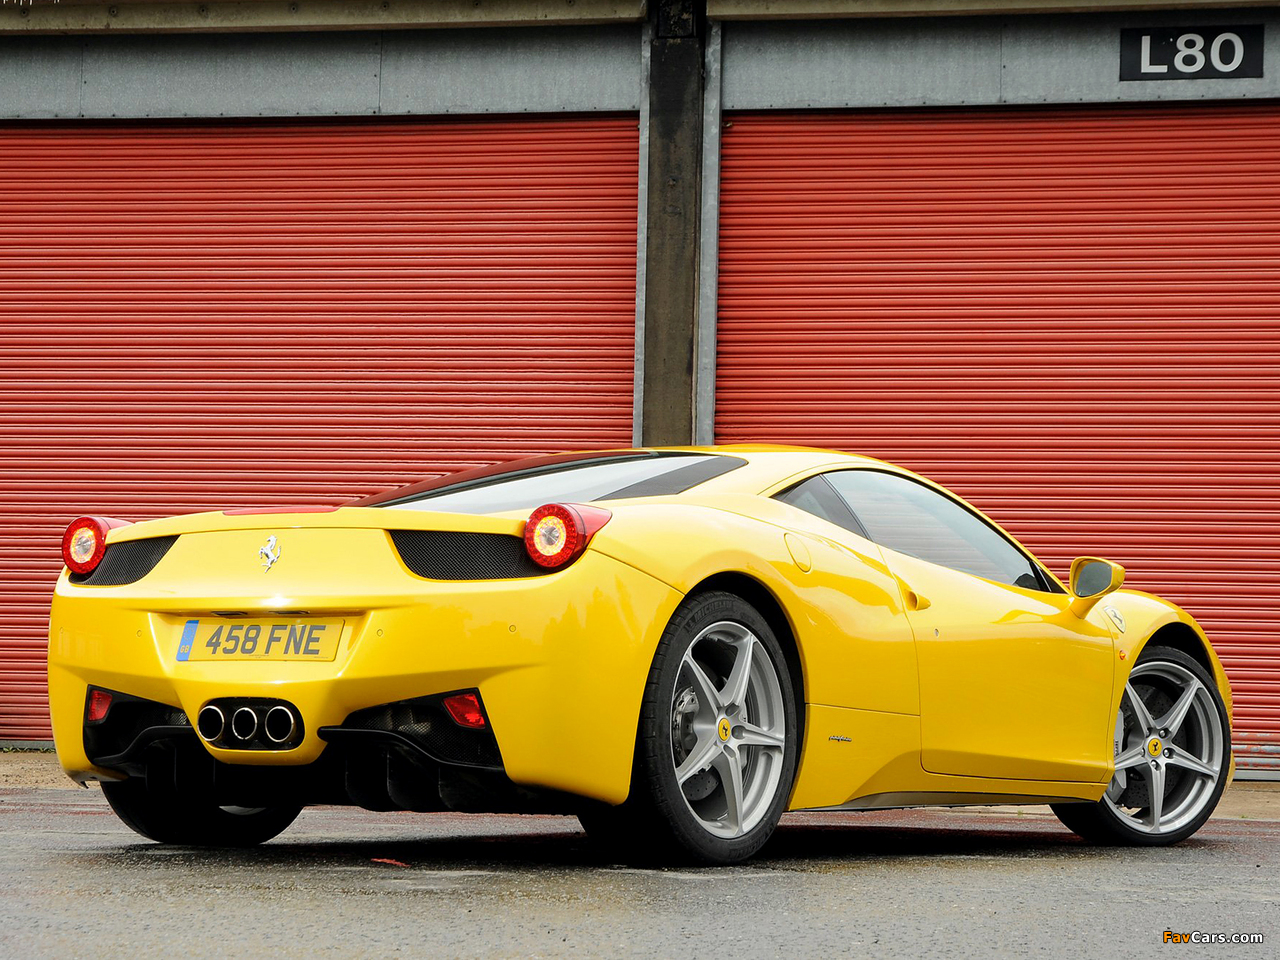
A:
269,639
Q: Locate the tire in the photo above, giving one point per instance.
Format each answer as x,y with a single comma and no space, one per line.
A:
1173,740
192,822
716,747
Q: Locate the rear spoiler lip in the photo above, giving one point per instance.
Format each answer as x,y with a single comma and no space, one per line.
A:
278,519
262,511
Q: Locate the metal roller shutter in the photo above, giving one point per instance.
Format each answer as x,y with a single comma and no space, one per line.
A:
205,316
1070,316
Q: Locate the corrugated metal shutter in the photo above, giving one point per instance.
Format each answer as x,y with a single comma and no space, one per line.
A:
1071,317
206,316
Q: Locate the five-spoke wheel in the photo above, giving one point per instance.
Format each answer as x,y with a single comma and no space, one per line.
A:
1172,751
717,746
728,729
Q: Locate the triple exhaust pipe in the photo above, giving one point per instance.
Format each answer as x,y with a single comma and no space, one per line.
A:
276,724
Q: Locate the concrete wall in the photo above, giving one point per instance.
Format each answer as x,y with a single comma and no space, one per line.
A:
368,73
965,61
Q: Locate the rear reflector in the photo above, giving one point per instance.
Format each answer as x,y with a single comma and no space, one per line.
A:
99,704
466,710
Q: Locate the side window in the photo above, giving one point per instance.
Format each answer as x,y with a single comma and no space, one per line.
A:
817,496
913,519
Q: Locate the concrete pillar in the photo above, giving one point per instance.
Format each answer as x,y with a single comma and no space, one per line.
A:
671,245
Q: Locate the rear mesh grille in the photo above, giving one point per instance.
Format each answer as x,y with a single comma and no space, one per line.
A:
126,562
452,555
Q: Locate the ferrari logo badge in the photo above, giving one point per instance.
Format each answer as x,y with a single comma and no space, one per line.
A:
1116,617
270,553
1154,747
724,729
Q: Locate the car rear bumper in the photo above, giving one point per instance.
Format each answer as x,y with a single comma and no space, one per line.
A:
560,662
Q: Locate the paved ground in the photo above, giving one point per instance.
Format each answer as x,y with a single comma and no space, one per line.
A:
344,882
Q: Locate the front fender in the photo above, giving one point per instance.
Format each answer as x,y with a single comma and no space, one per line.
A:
1145,615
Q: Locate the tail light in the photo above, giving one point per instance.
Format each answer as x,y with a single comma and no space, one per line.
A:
85,542
98,705
466,710
556,534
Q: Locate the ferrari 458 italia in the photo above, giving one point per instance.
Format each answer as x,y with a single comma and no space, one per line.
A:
675,645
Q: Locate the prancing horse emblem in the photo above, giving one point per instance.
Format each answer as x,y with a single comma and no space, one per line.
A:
270,553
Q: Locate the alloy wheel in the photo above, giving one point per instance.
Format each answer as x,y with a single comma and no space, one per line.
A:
728,729
1169,749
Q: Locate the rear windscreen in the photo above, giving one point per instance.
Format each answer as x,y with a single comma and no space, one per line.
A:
526,484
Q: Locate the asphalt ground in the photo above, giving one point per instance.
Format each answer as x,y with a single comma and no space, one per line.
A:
347,883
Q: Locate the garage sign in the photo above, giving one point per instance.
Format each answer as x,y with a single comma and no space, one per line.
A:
1191,53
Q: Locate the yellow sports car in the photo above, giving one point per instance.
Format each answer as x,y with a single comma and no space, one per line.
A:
676,645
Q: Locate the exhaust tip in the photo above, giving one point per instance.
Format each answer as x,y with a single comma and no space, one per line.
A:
210,723
280,724
244,724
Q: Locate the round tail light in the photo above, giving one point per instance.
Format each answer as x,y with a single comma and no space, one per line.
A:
556,534
85,542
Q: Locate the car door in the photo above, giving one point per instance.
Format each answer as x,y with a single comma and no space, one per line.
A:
1013,685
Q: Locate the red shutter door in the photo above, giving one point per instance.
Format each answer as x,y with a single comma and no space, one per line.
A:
1071,317
203,316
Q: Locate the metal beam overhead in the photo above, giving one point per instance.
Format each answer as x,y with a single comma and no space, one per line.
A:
830,9
268,15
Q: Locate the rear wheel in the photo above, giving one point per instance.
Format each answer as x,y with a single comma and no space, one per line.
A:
717,746
192,822
1172,752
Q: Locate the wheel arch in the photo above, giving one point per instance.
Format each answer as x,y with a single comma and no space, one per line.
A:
1155,621
1184,634
767,604
1181,636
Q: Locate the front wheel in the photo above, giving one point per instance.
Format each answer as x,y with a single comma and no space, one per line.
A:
192,822
717,746
1172,754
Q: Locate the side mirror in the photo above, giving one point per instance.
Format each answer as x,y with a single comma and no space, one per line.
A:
1092,578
